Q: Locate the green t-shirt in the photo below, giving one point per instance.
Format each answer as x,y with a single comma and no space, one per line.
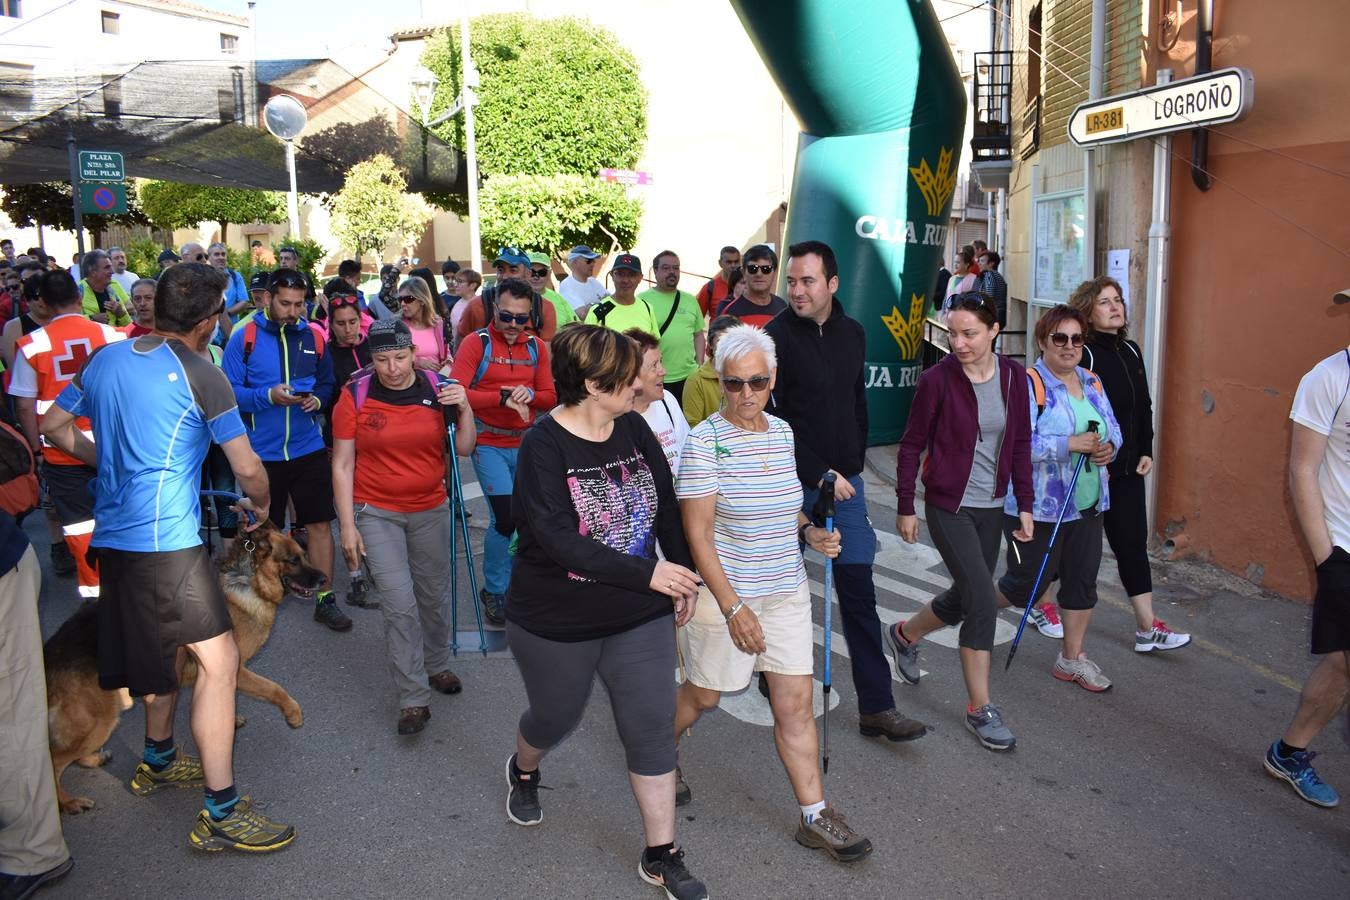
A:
621,318
566,314
1089,486
677,344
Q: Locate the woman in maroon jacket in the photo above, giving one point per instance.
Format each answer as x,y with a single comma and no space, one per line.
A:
971,412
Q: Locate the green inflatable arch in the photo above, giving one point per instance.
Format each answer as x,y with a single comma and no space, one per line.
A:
882,108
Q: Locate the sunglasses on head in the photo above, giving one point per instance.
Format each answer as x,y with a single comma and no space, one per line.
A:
342,300
1060,339
757,384
764,269
509,318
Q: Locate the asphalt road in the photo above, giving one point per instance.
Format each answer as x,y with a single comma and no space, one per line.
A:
1154,789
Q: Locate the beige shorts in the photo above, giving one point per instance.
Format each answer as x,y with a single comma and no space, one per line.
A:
711,659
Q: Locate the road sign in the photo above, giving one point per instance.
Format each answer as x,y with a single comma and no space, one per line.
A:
98,165
103,199
1212,99
625,176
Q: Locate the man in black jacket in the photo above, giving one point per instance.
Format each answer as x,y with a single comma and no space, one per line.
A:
819,392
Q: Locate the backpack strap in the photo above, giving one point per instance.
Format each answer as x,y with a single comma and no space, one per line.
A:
359,386
1037,389
674,308
602,309
486,340
250,336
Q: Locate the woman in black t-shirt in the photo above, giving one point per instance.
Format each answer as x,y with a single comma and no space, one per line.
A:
588,594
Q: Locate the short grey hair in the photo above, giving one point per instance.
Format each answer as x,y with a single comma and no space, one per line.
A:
216,244
140,281
182,251
742,340
112,250
90,260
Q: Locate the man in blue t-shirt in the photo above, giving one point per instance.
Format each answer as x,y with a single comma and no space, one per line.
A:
161,597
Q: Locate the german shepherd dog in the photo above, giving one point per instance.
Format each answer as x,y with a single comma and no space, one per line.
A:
255,576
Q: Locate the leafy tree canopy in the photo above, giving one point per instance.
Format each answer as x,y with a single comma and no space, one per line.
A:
49,204
551,213
373,208
173,205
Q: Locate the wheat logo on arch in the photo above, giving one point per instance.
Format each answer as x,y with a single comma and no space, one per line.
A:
906,331
936,186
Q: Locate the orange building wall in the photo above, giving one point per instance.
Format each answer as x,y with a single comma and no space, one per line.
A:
1249,308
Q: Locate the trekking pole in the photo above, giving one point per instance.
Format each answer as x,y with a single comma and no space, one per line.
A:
468,548
233,498
1031,600
827,510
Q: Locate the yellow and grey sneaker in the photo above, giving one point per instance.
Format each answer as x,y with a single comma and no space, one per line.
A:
243,829
183,772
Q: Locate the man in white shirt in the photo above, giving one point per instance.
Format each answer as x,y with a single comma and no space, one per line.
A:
580,288
120,274
1319,481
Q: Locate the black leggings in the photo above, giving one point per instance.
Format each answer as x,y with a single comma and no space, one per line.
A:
1126,526
637,668
968,540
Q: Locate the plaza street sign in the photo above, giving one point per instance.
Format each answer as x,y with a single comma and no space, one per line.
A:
103,199
1214,98
97,165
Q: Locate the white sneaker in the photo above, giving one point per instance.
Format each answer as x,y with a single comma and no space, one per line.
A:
1046,619
1082,670
1160,638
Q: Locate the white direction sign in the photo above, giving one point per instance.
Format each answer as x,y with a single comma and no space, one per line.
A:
1214,98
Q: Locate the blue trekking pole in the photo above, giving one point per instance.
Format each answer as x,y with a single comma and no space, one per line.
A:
1031,600
826,508
458,518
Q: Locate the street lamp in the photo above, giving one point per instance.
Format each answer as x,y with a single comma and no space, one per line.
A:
424,83
285,117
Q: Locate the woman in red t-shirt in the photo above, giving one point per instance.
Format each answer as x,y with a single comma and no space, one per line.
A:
389,464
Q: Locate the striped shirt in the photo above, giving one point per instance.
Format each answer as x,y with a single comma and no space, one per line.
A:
754,476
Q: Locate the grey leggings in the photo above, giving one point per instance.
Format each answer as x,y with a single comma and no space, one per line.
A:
968,540
637,667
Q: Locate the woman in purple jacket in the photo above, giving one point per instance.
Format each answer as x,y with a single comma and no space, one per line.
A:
971,413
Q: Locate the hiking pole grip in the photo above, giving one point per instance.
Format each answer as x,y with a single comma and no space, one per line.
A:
1093,425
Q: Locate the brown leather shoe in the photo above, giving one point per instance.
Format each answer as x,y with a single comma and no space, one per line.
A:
446,682
891,725
412,719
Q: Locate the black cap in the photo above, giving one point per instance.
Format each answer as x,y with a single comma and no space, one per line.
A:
627,261
169,256
261,281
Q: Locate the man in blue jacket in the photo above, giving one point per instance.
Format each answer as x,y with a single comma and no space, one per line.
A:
279,368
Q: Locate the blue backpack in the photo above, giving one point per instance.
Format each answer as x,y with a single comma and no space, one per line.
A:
531,345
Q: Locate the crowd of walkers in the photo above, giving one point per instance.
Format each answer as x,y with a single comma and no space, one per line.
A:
653,466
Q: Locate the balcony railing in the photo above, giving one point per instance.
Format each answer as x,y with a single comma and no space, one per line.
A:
991,137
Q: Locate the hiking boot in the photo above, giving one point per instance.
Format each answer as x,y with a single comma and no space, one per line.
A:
683,796
522,796
326,611
1046,619
494,608
1160,637
243,829
906,655
21,887
358,594
670,873
183,772
986,723
412,719
63,561
1082,670
892,725
1298,771
829,832
446,682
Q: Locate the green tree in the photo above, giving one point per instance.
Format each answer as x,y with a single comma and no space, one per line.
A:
170,204
374,208
557,97
49,204
552,212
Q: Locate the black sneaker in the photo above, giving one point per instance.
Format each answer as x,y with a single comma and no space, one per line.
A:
21,887
358,594
326,611
669,872
522,796
494,608
63,561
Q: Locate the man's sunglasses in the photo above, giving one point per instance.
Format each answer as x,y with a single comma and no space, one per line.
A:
509,318
539,273
758,384
753,269
1060,339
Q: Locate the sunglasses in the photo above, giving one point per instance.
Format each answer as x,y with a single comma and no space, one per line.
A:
758,384
407,298
343,300
1060,339
753,269
538,273
509,318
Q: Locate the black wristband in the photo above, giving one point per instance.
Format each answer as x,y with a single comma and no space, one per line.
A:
801,532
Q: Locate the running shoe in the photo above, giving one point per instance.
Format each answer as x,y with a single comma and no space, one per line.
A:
906,655
1160,637
1298,771
494,608
243,829
669,872
986,723
1046,619
21,887
683,795
1082,670
522,796
183,772
326,612
828,831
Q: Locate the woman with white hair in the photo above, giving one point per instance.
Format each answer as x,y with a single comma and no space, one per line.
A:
741,501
